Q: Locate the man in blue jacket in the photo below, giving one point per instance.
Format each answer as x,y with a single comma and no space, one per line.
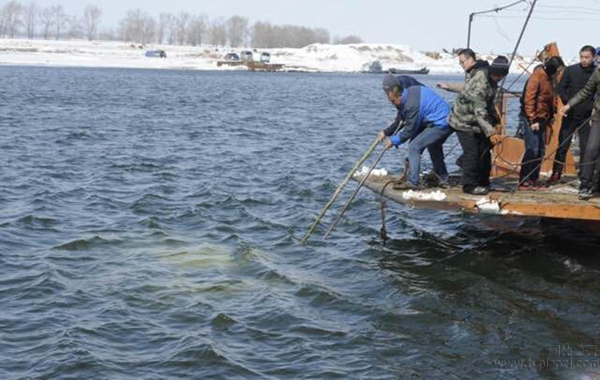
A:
425,116
405,81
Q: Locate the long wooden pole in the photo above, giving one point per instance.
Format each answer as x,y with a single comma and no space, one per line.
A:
354,194
339,189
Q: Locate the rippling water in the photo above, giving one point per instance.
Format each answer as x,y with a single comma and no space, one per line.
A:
149,226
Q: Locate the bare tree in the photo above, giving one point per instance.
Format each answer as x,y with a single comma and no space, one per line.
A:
138,26
218,33
30,17
265,35
47,19
262,35
322,36
164,26
237,30
348,40
197,30
75,25
12,13
60,19
172,31
108,34
91,20
148,29
182,21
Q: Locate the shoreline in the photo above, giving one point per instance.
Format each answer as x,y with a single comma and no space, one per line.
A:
311,59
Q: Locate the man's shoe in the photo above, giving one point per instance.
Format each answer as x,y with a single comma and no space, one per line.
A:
405,185
529,185
554,179
477,190
585,194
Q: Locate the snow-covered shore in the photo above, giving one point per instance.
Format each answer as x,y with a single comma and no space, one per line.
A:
315,58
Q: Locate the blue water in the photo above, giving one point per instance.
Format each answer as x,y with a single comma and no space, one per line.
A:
149,227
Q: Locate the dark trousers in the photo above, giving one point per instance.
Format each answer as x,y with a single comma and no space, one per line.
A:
476,159
590,166
535,148
564,141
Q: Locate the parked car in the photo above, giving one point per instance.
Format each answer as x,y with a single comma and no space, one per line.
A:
265,57
156,54
247,55
231,57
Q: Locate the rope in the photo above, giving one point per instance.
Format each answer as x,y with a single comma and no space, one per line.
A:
555,150
382,204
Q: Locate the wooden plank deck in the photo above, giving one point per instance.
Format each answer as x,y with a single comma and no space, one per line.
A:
558,201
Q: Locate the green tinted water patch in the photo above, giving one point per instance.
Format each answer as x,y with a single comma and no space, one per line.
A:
203,256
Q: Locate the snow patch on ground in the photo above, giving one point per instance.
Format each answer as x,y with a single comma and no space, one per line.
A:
375,173
487,205
424,196
565,190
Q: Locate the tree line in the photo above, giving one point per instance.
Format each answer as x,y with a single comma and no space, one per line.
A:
183,28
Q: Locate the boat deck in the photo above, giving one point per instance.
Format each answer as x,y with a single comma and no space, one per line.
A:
557,201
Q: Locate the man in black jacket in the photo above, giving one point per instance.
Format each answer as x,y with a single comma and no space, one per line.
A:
574,79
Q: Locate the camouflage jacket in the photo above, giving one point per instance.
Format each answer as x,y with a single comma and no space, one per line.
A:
470,111
591,88
458,87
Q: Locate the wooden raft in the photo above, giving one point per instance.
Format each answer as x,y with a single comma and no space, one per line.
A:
558,201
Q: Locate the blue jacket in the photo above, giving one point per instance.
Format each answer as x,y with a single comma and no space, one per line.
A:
421,108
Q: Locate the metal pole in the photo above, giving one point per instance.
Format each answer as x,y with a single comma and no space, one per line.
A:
512,57
469,33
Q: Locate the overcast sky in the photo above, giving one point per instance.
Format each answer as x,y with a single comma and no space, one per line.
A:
424,25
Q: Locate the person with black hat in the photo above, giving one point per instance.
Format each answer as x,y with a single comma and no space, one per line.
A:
537,110
425,116
573,80
471,119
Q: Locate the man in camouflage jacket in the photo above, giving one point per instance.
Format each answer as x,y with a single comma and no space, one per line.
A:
471,119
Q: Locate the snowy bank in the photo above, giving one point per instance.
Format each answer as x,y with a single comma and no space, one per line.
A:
314,58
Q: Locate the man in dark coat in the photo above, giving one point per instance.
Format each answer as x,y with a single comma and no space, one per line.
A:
591,165
573,80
